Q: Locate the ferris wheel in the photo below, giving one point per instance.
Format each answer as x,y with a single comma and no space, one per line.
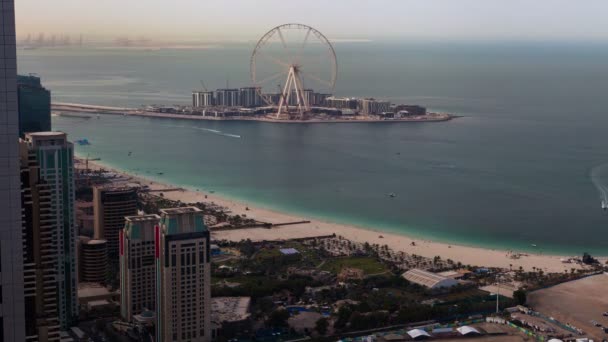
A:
302,58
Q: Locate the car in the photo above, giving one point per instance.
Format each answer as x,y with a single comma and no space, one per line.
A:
605,314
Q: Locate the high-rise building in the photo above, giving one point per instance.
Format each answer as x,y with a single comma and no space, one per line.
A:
110,206
12,316
250,97
40,257
183,276
93,260
373,106
227,97
203,99
34,105
137,266
55,158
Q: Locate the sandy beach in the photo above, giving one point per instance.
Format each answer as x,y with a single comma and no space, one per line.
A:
465,254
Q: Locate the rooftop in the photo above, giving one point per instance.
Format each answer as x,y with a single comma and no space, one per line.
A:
177,211
140,218
428,279
230,309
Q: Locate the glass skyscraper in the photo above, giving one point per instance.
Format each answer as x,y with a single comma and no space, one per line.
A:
12,311
34,105
55,158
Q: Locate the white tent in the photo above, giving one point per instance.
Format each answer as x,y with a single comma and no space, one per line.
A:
417,334
467,330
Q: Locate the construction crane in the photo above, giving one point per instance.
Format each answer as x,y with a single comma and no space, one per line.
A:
203,84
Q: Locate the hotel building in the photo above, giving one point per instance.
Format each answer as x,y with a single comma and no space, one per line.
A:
137,266
183,276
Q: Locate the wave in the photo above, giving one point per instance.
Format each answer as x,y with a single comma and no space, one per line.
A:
596,179
214,131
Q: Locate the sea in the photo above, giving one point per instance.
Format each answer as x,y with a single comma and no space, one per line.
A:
524,168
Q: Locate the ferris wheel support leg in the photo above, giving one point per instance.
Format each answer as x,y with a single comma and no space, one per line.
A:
285,95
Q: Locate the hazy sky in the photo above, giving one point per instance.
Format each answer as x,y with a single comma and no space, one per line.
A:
211,20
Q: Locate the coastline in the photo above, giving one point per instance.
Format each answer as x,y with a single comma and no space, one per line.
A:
63,108
399,242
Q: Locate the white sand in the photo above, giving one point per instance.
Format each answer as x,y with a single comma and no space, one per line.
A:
464,254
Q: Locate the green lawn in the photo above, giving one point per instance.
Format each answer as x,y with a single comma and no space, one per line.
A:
367,264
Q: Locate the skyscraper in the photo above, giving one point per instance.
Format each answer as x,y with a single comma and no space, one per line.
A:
55,157
12,315
137,266
93,260
110,206
183,276
40,253
34,105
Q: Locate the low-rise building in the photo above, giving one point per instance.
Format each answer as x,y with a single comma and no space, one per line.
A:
428,279
230,315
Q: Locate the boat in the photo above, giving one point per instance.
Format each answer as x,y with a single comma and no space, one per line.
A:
604,205
160,173
392,195
534,245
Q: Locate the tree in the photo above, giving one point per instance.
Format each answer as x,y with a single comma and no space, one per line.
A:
520,296
278,318
322,325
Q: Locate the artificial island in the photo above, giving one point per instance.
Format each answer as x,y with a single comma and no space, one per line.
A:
305,61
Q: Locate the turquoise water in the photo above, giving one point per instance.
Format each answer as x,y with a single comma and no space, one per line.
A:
523,167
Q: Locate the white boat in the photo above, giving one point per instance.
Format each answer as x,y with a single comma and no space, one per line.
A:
604,205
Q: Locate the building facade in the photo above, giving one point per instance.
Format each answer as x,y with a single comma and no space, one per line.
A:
250,97
110,206
93,260
373,106
137,266
227,97
12,316
183,276
55,157
203,99
34,105
40,257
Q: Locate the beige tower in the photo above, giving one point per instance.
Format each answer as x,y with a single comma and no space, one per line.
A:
184,276
137,266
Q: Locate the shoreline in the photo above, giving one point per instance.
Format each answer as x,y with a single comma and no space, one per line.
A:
467,255
62,108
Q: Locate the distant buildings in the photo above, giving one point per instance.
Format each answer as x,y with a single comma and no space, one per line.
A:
184,276
227,97
12,318
111,205
40,257
34,105
203,99
137,266
342,102
373,106
250,97
54,156
93,260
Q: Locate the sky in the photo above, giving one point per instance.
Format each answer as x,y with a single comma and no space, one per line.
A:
219,20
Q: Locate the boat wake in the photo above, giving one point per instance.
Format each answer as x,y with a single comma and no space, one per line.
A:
596,178
214,131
